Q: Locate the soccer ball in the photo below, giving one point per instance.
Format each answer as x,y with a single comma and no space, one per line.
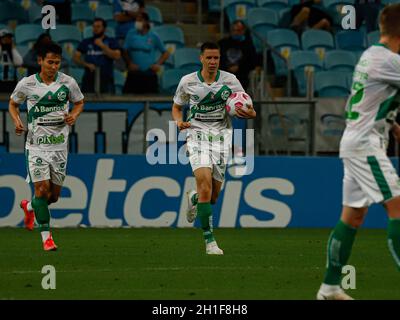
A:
237,100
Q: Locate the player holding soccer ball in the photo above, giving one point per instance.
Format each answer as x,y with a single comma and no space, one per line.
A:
48,94
209,133
369,176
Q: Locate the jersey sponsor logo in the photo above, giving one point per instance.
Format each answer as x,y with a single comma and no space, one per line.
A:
44,109
39,161
50,139
36,172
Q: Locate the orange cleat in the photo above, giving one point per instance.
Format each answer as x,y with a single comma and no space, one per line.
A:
49,244
29,219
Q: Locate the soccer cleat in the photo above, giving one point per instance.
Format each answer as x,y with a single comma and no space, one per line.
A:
212,248
191,212
29,219
49,244
333,295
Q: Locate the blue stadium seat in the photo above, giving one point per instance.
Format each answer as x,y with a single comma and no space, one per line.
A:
22,49
105,11
285,41
319,41
35,13
77,74
12,11
331,84
350,40
88,32
27,34
299,62
340,60
237,9
373,37
285,18
119,81
187,59
273,4
154,15
261,20
170,80
81,15
214,5
171,35
68,36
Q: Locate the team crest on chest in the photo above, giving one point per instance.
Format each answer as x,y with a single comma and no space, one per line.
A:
61,96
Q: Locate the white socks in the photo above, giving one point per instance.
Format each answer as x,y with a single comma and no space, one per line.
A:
29,206
45,235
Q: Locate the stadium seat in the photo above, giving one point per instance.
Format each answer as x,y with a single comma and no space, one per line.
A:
261,20
35,13
331,84
214,5
119,81
319,41
77,74
12,13
105,12
171,35
81,15
350,40
187,59
27,34
68,36
285,41
170,80
88,32
300,61
154,15
273,4
340,60
22,49
284,17
373,37
237,9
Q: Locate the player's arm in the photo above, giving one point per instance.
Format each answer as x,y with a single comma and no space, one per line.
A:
178,117
396,131
70,119
13,109
114,54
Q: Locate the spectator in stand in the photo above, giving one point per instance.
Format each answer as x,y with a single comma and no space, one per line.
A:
140,54
31,57
10,59
125,13
367,10
310,14
100,51
238,54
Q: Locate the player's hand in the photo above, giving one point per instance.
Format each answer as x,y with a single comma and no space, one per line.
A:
233,68
19,127
182,125
246,113
70,119
98,42
91,67
133,67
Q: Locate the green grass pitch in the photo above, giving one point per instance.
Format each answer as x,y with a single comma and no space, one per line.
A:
172,264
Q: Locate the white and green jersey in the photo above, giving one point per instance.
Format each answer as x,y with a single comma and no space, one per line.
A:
47,106
371,107
207,102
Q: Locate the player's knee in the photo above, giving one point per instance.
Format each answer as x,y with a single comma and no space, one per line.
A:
52,198
42,192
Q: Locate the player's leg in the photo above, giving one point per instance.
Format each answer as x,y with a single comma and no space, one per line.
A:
393,229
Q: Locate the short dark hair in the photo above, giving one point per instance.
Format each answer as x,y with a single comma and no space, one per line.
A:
208,45
145,16
389,20
50,47
104,22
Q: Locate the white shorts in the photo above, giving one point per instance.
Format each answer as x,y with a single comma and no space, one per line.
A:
369,180
46,165
209,151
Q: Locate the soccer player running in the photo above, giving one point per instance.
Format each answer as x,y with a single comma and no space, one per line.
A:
369,176
48,94
209,133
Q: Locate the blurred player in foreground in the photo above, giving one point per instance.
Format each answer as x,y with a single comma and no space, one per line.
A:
48,94
369,176
209,133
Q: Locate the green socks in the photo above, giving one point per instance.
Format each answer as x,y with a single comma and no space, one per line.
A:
394,239
204,212
339,249
42,213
